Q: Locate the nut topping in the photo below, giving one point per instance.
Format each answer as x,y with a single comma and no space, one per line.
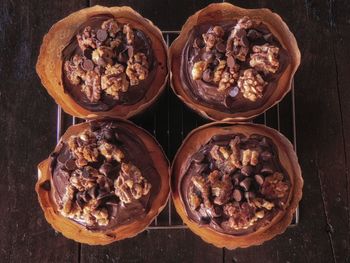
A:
265,58
251,84
233,191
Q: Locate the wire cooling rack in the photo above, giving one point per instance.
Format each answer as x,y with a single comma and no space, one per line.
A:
170,121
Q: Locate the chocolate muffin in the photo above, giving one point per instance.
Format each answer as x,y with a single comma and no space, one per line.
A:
236,185
106,180
233,64
109,62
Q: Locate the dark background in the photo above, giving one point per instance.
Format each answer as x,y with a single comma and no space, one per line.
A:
322,96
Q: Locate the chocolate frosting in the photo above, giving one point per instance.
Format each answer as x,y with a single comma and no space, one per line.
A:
202,163
119,213
206,93
142,43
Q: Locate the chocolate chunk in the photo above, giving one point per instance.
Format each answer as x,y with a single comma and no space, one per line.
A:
253,34
233,92
245,184
266,155
88,53
130,51
237,195
267,168
198,157
46,185
231,62
208,57
208,75
101,35
88,65
198,43
237,178
259,179
70,165
221,47
247,170
249,195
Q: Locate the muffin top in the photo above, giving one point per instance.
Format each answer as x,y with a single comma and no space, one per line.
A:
232,66
103,177
235,184
108,63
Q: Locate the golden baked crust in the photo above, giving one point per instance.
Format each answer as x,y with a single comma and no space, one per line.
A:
49,64
288,160
225,11
79,233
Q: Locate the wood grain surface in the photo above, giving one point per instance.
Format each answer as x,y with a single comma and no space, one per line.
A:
322,96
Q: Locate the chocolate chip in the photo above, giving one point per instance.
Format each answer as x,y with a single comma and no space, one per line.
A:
88,65
208,57
267,168
253,34
208,75
246,184
233,92
268,37
245,41
221,47
92,191
247,170
130,51
231,63
101,35
198,43
122,58
249,195
198,157
237,195
259,179
266,155
88,53
237,177
228,102
46,185
105,169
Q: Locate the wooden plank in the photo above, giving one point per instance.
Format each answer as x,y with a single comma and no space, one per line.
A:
319,141
28,128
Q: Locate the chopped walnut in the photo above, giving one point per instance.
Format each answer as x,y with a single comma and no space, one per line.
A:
103,56
114,80
251,84
237,42
219,154
203,187
212,37
111,26
87,39
111,152
274,186
265,58
194,199
129,34
236,153
240,216
92,86
250,157
84,151
137,69
75,73
222,190
219,70
130,184
198,69
261,203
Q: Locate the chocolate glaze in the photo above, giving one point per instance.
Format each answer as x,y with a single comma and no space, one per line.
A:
206,93
136,152
203,165
134,94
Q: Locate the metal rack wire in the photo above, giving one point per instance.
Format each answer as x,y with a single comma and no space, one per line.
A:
168,219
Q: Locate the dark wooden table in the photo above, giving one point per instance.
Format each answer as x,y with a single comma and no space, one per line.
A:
322,100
